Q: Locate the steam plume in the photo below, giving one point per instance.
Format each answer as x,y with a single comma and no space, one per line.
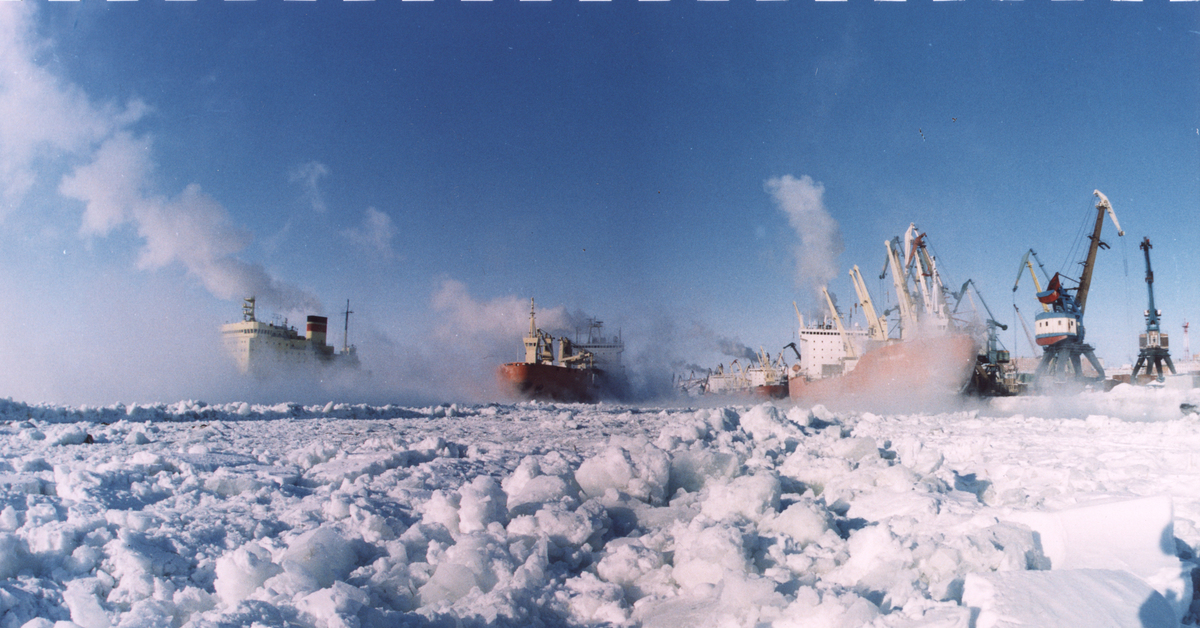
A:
376,232
820,239
308,176
191,228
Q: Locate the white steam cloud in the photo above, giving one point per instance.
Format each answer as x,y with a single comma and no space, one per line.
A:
309,177
40,115
376,233
801,200
43,116
487,323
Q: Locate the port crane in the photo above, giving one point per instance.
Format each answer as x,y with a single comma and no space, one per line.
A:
989,375
877,326
1060,331
1025,263
1152,345
908,314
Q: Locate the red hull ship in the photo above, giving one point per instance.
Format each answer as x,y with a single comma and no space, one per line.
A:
549,382
584,372
912,370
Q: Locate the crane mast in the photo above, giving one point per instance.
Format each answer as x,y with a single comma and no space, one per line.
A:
878,331
1025,263
851,354
1152,345
1085,280
908,318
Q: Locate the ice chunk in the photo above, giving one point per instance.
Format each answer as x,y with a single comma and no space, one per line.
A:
750,496
479,560
595,601
1083,598
80,598
1136,535
242,571
323,554
628,564
636,468
705,554
765,421
803,522
482,502
692,469
336,605
73,435
855,448
442,508
14,556
351,467
542,489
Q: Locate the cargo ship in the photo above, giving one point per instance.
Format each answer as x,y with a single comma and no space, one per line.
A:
262,349
762,378
581,372
921,368
932,355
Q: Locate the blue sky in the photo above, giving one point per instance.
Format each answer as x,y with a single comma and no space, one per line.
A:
438,163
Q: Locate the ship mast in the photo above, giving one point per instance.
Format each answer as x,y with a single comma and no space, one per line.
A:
531,341
346,330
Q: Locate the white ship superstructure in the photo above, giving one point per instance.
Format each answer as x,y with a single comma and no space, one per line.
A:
605,350
822,349
259,348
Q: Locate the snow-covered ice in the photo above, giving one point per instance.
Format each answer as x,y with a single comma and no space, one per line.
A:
1076,511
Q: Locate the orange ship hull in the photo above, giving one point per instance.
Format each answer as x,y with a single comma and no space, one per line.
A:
549,382
910,371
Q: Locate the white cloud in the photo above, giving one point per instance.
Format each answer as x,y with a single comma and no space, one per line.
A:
42,116
309,177
46,120
376,232
504,319
801,200
192,228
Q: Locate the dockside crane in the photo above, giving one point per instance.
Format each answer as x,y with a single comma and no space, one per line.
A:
876,325
1025,263
851,354
1152,345
923,268
989,375
1060,331
908,314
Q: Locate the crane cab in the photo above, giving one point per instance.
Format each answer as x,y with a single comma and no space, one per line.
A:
1054,327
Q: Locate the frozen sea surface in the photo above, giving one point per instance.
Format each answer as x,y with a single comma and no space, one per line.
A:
1027,511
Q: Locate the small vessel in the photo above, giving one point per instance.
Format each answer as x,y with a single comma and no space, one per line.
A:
261,348
763,377
582,371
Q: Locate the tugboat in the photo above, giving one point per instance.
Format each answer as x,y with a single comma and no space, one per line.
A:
584,372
